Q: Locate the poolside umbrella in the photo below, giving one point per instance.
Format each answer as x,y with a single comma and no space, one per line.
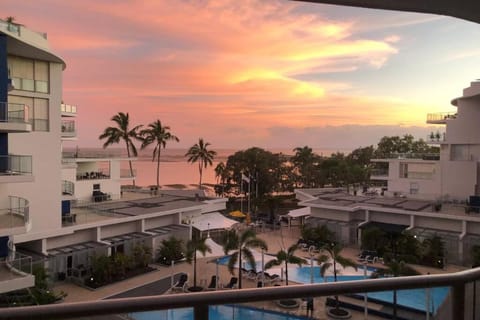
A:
237,214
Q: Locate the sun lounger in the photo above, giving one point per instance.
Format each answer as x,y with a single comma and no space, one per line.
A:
181,284
213,284
232,284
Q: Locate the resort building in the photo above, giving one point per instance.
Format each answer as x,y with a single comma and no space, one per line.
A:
60,208
426,194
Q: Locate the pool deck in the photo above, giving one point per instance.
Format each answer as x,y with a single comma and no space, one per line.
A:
276,239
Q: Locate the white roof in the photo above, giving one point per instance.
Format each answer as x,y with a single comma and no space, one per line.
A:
211,221
299,212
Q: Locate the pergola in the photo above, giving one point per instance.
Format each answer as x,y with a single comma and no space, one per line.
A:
463,9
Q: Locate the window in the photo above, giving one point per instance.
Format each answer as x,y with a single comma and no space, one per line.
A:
38,114
414,187
29,75
403,170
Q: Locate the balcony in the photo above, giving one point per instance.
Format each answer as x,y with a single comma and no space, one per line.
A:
14,219
68,188
379,174
15,119
441,117
436,138
68,110
68,129
461,299
416,156
15,168
16,272
94,175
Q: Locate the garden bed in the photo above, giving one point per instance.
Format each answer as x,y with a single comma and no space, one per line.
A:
91,283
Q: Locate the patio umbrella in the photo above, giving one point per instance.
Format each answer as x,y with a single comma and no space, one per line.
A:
237,214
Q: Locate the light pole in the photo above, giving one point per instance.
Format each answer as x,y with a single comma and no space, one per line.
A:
263,267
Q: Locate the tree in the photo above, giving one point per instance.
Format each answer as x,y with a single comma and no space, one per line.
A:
122,132
199,153
193,246
221,175
304,160
241,244
158,135
170,249
405,144
331,258
286,257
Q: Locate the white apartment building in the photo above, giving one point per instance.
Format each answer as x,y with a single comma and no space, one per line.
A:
59,209
426,194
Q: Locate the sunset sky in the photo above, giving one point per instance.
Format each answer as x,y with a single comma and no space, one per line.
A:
267,73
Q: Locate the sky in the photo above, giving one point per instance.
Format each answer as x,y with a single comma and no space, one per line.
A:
265,73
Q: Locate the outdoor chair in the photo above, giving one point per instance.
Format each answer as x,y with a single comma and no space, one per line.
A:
181,284
213,284
232,284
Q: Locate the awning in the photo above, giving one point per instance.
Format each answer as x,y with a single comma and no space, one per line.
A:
299,212
211,221
387,227
237,214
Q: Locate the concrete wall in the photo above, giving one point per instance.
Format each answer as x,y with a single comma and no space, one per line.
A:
44,194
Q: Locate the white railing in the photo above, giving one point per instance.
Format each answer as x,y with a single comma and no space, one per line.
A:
15,112
15,165
67,108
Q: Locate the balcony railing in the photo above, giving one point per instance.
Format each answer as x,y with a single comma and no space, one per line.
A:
15,112
94,175
200,301
68,187
441,117
19,206
68,128
67,108
16,272
419,156
379,172
15,165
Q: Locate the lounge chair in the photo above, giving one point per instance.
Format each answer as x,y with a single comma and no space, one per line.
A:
232,284
213,284
181,284
372,259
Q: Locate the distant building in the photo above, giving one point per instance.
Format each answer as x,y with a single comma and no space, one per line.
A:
60,208
426,194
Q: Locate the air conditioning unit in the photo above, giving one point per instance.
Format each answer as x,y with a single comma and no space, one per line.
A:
11,84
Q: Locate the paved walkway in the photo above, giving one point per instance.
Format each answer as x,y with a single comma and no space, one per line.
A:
276,240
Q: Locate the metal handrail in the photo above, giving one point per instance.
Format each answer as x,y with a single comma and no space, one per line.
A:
200,301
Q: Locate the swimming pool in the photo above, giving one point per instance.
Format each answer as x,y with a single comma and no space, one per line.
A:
222,312
413,298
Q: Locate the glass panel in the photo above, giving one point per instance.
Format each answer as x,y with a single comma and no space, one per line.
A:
41,86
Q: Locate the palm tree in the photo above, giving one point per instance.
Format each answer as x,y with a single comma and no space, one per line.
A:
241,244
193,246
122,132
304,160
220,173
159,135
332,257
286,257
199,152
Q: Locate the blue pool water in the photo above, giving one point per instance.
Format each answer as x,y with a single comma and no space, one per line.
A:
224,312
413,298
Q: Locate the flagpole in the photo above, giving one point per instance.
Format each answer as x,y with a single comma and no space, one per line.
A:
249,183
241,192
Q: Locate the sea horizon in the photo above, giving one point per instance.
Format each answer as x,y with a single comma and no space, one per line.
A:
174,168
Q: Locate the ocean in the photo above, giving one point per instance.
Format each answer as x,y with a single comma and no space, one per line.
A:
174,168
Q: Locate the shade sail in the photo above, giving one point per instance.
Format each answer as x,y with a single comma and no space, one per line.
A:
237,214
299,212
217,250
211,221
